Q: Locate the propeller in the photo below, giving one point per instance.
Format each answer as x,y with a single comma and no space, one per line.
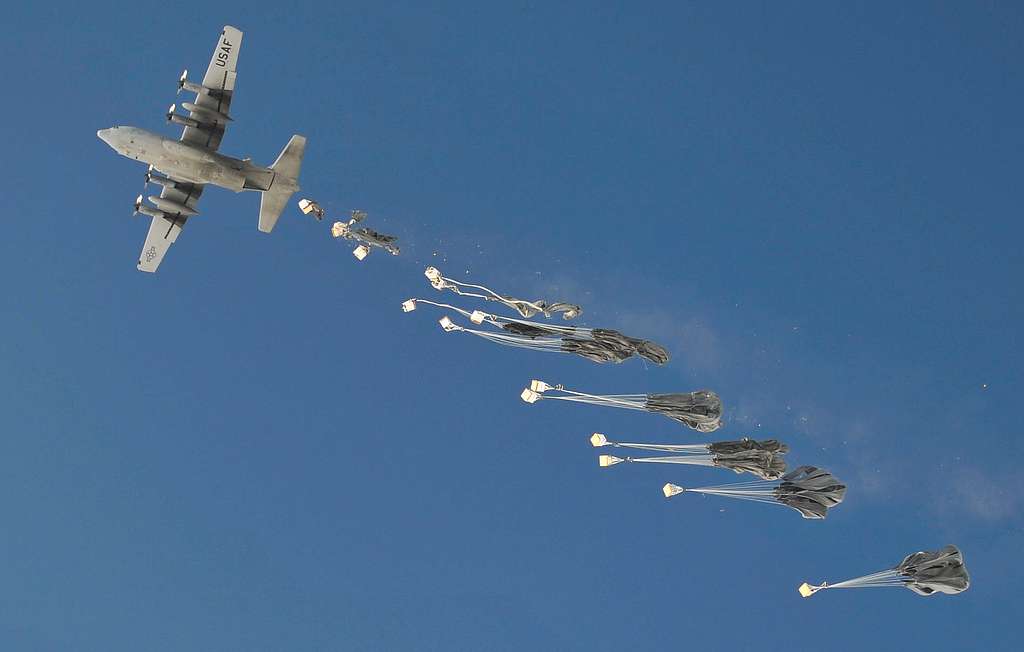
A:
181,80
148,177
170,112
138,205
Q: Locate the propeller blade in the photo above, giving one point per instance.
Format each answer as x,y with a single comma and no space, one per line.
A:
170,112
138,205
181,80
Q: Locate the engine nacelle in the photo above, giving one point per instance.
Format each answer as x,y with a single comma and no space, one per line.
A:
185,85
172,207
146,210
162,181
204,110
186,120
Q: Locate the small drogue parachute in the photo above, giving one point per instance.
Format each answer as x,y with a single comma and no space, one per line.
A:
526,309
807,489
367,237
700,410
761,458
595,344
310,207
924,573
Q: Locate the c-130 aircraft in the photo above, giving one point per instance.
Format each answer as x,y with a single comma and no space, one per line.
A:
189,164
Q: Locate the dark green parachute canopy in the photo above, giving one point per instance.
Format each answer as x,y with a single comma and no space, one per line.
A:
942,571
700,410
811,491
761,458
924,573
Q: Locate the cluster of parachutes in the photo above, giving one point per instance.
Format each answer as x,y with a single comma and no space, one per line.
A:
809,490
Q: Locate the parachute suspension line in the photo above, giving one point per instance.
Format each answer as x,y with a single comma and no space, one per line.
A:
886,578
761,491
626,401
410,305
540,344
523,307
690,449
697,460
889,577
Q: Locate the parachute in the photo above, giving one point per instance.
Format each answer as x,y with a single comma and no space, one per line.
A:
807,489
761,458
595,344
368,238
924,573
700,410
526,309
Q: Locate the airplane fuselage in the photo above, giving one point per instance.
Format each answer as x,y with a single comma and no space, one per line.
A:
185,161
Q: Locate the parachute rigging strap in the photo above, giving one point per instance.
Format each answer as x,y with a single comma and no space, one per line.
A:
523,307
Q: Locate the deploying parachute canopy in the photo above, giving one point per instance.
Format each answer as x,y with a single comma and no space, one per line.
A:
761,458
368,238
525,308
924,573
700,410
807,489
596,344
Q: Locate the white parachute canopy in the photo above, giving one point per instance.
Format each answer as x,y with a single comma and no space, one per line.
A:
595,344
700,410
525,308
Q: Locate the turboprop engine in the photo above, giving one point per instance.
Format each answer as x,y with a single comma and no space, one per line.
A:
185,120
185,85
146,210
171,207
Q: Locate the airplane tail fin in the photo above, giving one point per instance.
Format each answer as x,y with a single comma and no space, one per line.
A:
285,182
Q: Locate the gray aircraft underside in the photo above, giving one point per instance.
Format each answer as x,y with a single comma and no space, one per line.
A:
191,163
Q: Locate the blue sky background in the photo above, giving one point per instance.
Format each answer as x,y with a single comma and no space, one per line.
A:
815,207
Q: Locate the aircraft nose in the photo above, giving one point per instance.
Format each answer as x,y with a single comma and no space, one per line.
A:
104,135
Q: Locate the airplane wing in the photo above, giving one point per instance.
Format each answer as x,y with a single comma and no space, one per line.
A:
164,230
220,79
220,82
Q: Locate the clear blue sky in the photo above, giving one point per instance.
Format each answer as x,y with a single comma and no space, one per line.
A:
816,207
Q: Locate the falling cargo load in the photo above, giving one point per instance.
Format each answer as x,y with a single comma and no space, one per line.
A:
368,238
595,344
700,410
526,309
310,207
807,489
761,458
924,573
